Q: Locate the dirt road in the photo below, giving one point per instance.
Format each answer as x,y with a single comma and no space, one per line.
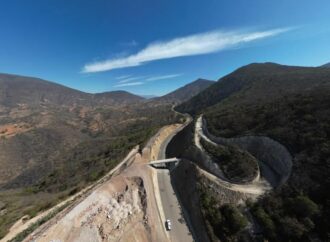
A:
257,187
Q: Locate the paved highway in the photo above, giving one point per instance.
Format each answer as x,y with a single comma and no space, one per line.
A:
170,204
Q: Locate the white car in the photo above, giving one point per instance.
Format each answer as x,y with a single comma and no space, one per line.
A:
168,224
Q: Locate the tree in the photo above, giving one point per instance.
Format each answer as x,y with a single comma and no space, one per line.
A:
235,221
291,228
304,207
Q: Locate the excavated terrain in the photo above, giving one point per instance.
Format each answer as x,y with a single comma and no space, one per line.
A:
121,206
274,159
110,213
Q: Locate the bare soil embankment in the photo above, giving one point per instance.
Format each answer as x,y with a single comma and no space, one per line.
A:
110,213
275,160
25,223
195,170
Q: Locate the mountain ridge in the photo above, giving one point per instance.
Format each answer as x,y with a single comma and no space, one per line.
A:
186,92
327,65
273,78
15,89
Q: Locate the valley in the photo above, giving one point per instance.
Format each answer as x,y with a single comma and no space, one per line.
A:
242,171
164,121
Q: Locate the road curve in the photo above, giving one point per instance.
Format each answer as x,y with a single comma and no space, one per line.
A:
257,187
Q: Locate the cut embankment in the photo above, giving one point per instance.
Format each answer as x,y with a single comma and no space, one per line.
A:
275,161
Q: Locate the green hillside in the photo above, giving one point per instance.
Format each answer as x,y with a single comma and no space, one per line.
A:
292,106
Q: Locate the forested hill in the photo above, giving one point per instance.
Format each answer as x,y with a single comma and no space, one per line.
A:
327,65
292,106
258,83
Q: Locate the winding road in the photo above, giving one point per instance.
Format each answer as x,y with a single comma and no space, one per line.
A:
257,187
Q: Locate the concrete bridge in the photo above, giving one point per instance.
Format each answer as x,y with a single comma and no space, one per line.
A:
164,163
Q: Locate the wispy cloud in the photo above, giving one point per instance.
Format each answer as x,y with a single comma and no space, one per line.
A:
122,77
163,77
197,44
131,79
139,80
129,84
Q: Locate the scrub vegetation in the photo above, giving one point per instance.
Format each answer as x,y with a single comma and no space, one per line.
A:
224,222
290,105
236,164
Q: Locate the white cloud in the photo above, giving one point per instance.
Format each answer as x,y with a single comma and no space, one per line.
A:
156,78
197,44
123,77
129,84
131,79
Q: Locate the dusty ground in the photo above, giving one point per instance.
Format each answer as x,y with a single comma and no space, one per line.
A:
9,130
257,187
25,222
111,213
123,208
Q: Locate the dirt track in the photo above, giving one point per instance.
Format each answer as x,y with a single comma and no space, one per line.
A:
257,187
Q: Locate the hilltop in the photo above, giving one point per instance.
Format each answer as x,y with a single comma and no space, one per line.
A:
258,82
186,92
32,91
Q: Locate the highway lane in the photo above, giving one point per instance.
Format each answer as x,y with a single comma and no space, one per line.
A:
170,204
172,209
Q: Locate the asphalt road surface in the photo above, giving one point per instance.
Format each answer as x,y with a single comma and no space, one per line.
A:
170,204
171,208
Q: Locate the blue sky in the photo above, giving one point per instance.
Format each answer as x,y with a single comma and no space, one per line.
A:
156,46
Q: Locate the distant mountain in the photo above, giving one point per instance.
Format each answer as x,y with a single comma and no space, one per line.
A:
32,91
119,97
258,82
326,65
148,96
186,92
